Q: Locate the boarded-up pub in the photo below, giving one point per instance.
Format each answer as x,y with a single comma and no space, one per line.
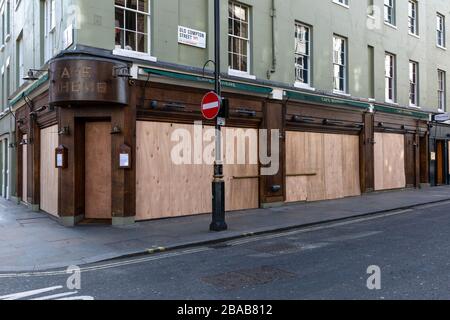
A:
96,141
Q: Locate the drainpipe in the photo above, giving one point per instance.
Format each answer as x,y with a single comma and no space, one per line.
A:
273,12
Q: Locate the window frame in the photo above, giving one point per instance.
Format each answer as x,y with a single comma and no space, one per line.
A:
442,90
413,71
148,33
392,78
413,17
232,71
390,10
309,45
441,31
344,65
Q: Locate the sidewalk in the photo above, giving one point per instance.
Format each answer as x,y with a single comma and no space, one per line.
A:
32,241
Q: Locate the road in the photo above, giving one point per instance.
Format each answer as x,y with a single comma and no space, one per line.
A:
411,249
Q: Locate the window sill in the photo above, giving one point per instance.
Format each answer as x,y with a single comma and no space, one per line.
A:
441,47
342,93
240,74
414,106
414,35
390,25
301,85
134,54
8,37
2,48
392,102
341,4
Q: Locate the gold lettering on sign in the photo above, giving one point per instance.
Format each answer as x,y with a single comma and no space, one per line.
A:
65,74
102,87
76,86
86,72
65,87
89,87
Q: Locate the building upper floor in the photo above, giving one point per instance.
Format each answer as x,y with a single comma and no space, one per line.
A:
388,51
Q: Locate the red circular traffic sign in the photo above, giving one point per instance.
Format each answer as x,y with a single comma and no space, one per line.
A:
210,106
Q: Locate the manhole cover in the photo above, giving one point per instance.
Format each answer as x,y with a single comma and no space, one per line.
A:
247,277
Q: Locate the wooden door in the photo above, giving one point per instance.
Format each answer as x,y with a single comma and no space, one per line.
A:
25,170
440,163
49,172
410,160
98,170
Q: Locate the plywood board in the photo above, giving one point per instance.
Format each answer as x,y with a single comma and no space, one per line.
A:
49,173
389,161
25,171
321,166
167,189
98,170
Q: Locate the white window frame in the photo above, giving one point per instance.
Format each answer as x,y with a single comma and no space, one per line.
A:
413,83
390,77
306,83
344,64
442,90
235,72
413,17
134,53
390,12
20,72
441,36
343,3
50,27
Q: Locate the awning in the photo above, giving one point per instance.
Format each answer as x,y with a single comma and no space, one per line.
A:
225,83
321,99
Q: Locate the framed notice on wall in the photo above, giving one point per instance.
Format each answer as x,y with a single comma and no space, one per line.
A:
125,157
61,154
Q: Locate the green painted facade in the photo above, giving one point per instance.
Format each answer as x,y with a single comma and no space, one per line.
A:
92,24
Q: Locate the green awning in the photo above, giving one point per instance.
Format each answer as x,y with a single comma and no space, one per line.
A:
225,83
29,90
314,98
403,112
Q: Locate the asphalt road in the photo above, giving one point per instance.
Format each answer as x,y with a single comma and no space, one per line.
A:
411,249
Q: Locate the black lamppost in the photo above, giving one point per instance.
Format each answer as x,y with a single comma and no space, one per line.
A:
218,185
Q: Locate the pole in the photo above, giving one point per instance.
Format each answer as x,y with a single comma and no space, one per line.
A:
218,185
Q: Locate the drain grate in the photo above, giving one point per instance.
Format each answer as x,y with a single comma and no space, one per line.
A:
247,277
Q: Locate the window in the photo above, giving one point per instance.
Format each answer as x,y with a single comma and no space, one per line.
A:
413,83
8,19
371,73
133,25
340,64
343,2
389,11
412,17
442,84
2,26
370,8
390,80
20,68
303,54
50,26
440,30
238,37
3,94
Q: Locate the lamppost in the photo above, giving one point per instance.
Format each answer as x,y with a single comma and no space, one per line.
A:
218,185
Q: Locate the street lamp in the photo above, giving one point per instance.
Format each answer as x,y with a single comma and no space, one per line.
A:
218,185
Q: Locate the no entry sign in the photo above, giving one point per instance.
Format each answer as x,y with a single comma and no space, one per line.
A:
210,106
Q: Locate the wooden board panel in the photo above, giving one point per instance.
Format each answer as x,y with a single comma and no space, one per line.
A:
25,171
49,173
351,164
321,166
98,170
389,161
165,189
